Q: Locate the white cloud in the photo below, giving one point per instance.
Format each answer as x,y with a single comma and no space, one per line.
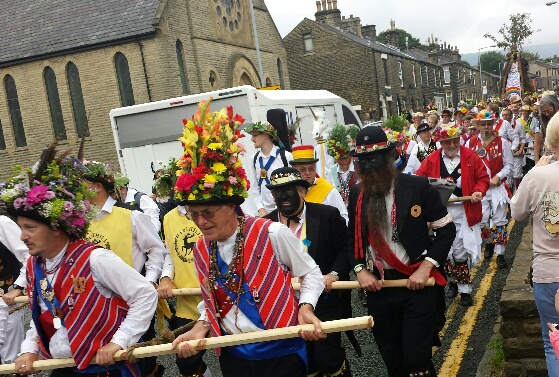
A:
461,24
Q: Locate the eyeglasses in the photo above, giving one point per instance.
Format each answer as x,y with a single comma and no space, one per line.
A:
547,110
207,214
450,141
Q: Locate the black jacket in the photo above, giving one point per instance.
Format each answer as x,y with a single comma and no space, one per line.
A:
411,192
327,232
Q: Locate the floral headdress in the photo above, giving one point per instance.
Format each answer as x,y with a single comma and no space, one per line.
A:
340,141
54,194
263,127
432,108
210,170
465,104
101,173
163,186
447,131
395,136
292,132
485,115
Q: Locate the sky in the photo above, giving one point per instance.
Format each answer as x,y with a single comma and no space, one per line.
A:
462,24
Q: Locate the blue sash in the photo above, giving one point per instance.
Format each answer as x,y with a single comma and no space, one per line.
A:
266,167
261,350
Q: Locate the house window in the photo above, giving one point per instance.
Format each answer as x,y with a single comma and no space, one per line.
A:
426,76
446,75
435,76
413,76
464,75
76,96
280,74
15,112
307,39
474,75
55,107
385,69
182,69
124,80
400,74
2,140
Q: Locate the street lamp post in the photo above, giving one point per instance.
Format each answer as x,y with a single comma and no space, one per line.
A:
257,45
479,63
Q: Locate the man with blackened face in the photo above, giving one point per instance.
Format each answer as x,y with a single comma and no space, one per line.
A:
322,232
389,239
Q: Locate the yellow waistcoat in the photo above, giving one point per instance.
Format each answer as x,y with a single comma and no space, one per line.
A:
181,235
114,232
319,191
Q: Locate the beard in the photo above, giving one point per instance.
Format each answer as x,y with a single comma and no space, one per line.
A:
377,183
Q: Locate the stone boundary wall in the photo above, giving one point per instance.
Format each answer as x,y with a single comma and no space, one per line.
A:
521,329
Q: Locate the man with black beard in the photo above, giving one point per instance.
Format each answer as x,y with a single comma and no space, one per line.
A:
323,234
389,239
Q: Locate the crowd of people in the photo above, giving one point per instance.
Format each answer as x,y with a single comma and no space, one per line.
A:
98,260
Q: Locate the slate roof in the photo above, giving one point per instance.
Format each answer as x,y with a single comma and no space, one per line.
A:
37,28
423,56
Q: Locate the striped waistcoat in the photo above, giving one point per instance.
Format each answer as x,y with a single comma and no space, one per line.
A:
277,305
93,319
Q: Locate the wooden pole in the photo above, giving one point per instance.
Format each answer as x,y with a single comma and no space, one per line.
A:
297,286
211,343
460,199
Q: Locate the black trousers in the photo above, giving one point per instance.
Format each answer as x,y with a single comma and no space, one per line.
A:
189,365
70,372
286,366
406,328
147,364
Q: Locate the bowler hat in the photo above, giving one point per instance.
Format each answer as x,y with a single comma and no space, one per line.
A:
286,176
371,140
423,127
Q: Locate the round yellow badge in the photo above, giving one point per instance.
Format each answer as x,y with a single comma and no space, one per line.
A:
416,210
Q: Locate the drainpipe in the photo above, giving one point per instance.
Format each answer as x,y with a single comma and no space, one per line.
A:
376,78
145,70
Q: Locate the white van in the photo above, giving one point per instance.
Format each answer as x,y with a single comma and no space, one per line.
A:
147,133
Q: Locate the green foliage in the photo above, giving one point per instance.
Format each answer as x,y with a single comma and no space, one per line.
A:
530,56
352,131
497,361
490,61
463,62
402,34
516,32
396,123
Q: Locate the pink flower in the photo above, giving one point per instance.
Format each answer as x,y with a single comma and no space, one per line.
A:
18,202
68,206
79,222
232,159
233,180
208,185
36,195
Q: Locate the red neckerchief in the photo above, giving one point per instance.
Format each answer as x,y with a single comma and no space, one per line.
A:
380,245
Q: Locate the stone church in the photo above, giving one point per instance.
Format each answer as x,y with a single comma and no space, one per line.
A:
65,64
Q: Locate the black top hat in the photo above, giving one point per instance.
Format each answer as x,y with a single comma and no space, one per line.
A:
422,127
371,140
286,176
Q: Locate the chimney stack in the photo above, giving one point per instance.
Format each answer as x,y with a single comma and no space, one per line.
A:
369,31
324,7
555,59
392,35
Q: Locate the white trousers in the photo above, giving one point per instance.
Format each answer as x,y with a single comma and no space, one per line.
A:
14,337
493,215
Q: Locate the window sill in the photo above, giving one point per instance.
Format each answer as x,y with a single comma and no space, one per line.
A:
387,87
308,53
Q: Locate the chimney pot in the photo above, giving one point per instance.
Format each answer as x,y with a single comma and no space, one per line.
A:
318,7
335,3
351,16
392,25
329,4
343,17
324,5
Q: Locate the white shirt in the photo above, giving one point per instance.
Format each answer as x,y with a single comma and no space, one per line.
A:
290,256
519,130
168,266
334,199
260,193
147,205
506,132
10,234
108,272
413,162
147,247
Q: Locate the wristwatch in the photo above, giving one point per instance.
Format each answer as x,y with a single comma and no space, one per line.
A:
358,268
333,273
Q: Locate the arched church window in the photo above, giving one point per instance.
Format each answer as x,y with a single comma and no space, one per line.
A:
182,68
15,112
124,80
55,107
76,95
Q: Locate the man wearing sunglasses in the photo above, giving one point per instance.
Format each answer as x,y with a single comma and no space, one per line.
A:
389,239
496,153
322,232
462,166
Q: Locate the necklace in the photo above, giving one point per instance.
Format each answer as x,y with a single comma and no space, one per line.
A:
345,185
234,276
393,222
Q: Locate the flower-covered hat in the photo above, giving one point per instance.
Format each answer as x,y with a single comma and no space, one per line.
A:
54,195
371,140
210,170
526,108
286,176
340,141
262,127
303,154
100,172
448,131
395,137
164,185
484,115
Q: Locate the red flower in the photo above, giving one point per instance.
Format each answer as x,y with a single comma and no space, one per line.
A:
200,171
230,112
184,121
238,118
185,182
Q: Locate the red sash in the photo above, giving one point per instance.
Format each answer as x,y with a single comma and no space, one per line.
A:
381,247
499,124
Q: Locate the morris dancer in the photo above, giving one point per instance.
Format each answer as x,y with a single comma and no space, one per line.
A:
243,264
465,168
322,232
343,172
389,234
425,146
496,153
72,280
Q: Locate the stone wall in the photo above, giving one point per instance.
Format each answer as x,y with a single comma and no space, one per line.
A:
521,329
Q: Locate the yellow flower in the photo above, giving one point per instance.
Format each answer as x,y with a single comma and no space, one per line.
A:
191,196
233,148
219,168
214,146
210,178
237,164
229,191
452,131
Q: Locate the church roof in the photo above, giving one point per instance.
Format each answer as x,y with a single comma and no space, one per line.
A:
41,28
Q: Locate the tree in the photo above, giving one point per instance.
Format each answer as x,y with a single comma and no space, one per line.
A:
516,32
402,34
530,56
491,60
